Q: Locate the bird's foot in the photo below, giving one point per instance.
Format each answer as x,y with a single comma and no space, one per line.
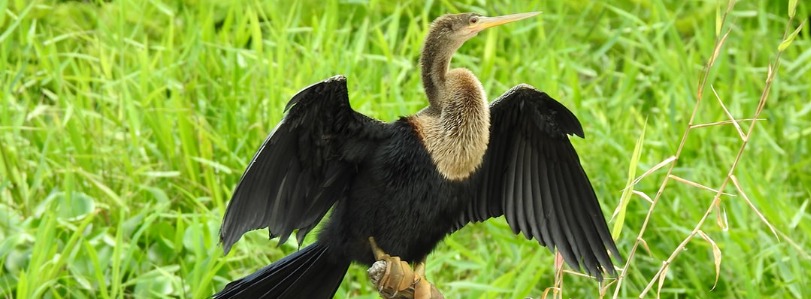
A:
395,279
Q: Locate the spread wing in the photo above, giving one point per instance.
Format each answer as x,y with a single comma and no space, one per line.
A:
303,167
531,174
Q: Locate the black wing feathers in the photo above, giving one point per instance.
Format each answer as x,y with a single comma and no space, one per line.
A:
531,174
303,166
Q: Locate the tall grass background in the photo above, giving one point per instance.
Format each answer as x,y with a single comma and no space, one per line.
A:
125,125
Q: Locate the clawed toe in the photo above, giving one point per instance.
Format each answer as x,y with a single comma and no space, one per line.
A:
395,279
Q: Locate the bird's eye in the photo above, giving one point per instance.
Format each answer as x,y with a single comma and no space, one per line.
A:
474,20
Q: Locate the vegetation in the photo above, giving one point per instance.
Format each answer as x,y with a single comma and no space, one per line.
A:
125,125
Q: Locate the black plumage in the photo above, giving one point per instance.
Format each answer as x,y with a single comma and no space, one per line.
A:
531,174
389,180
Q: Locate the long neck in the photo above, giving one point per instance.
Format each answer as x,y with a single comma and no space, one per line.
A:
435,61
456,135
456,127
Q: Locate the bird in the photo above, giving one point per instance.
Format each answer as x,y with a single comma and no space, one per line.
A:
396,189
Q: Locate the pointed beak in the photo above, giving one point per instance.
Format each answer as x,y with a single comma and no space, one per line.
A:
487,22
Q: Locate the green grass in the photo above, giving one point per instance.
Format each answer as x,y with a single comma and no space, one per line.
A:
125,125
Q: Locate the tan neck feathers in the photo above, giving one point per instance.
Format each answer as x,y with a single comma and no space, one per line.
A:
457,137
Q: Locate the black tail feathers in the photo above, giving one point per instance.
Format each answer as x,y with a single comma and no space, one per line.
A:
308,273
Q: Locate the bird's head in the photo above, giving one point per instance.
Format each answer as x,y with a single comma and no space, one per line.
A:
458,28
446,35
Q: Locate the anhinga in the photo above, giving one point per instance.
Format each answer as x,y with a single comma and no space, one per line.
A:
407,184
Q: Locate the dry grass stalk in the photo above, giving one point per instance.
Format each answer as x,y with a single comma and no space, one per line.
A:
660,277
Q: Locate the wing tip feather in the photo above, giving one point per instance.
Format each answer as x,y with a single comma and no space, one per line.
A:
336,78
570,124
339,79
